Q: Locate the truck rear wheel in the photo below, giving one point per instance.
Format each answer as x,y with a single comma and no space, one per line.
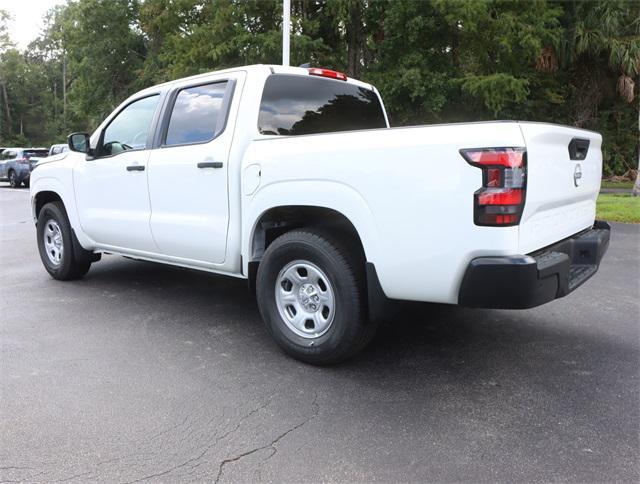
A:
311,295
56,247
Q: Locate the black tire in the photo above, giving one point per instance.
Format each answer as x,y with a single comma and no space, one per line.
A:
75,261
349,330
13,179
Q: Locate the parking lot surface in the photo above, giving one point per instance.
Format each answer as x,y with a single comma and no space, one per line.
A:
143,372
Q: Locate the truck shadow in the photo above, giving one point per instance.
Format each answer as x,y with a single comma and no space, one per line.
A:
435,366
423,338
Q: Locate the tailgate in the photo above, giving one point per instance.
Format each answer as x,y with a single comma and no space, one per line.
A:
562,187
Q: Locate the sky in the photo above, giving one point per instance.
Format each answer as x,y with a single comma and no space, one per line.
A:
27,18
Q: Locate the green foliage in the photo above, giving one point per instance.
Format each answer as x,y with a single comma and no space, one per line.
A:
5,41
26,93
618,207
624,185
618,124
103,53
609,29
575,63
497,90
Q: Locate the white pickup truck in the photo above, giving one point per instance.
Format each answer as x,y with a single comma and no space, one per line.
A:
292,178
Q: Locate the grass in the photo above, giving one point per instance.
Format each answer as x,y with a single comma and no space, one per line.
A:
613,184
618,207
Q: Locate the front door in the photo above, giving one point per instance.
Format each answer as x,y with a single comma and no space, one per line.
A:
111,190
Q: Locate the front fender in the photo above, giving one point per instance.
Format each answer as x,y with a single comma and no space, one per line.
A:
64,190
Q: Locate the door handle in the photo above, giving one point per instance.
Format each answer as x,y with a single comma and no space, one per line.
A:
210,164
135,168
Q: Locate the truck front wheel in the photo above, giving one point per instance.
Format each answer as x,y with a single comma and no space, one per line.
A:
311,295
55,244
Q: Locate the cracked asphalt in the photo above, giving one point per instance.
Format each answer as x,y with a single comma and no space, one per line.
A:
142,372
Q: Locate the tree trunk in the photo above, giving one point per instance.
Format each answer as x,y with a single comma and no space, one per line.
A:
353,39
636,187
55,100
64,90
5,98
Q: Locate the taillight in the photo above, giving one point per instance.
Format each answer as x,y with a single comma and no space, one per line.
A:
316,71
500,201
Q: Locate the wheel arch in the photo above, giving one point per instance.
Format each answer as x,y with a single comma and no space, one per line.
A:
40,199
277,220
338,200
46,189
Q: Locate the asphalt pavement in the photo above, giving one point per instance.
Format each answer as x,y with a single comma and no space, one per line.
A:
143,372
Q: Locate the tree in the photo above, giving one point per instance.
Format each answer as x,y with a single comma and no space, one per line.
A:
433,61
103,54
5,43
188,36
454,61
601,53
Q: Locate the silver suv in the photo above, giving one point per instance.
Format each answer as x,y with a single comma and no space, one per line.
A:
16,164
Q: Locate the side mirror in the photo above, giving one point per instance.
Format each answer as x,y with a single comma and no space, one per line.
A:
79,142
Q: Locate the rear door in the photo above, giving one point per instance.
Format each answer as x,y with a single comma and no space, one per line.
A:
188,173
564,169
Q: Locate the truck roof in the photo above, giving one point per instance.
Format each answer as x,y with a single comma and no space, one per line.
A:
274,68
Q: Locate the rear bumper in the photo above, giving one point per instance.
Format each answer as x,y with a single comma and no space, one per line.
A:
526,281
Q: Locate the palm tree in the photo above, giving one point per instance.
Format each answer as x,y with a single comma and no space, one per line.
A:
609,32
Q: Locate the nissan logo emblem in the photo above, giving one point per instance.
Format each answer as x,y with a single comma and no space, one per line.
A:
577,175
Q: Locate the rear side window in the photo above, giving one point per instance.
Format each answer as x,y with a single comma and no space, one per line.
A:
197,114
294,105
37,153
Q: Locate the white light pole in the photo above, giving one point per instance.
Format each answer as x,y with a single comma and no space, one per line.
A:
286,30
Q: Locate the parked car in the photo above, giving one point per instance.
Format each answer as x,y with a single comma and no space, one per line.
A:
53,151
16,164
292,179
59,148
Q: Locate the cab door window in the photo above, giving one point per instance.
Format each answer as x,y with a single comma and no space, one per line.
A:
129,130
197,115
